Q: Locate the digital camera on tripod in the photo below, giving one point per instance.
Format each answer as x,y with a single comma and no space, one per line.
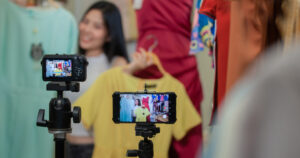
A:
64,73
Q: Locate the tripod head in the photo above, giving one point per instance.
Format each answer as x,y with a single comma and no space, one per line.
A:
146,130
60,113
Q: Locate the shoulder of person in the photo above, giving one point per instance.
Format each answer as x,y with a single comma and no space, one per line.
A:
118,61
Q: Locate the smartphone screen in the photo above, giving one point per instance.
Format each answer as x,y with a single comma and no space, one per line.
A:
144,107
58,68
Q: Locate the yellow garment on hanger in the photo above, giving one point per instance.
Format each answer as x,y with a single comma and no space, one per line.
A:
113,140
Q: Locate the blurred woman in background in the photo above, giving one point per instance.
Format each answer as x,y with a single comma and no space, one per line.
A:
101,40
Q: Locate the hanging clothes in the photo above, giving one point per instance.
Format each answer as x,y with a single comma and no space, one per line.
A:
125,111
219,10
170,25
173,36
25,35
113,140
196,44
201,22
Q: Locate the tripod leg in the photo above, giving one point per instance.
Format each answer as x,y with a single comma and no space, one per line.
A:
59,146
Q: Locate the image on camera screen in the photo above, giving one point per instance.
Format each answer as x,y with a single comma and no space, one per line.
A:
144,108
58,68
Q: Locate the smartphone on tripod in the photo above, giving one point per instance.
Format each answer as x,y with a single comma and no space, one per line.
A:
139,107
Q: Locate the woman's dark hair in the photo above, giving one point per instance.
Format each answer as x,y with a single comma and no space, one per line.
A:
273,35
113,22
139,102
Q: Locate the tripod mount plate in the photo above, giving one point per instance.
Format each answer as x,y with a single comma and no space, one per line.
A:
63,86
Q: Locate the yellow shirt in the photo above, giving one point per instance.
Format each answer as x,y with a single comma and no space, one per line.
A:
113,140
141,114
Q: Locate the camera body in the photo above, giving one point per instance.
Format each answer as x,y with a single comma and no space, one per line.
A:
64,68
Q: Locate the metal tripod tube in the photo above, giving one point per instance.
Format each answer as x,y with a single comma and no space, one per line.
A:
59,145
59,148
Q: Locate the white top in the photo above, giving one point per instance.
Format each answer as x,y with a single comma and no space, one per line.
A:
97,65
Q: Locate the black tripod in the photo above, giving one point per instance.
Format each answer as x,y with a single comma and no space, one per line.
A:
60,115
146,130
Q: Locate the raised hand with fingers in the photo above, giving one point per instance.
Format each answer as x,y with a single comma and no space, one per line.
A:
140,61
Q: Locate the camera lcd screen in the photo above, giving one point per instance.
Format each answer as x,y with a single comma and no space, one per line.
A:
58,68
138,107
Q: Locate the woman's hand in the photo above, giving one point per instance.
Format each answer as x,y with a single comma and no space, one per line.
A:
140,61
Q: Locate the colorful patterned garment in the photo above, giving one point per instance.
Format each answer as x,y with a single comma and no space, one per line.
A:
202,24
